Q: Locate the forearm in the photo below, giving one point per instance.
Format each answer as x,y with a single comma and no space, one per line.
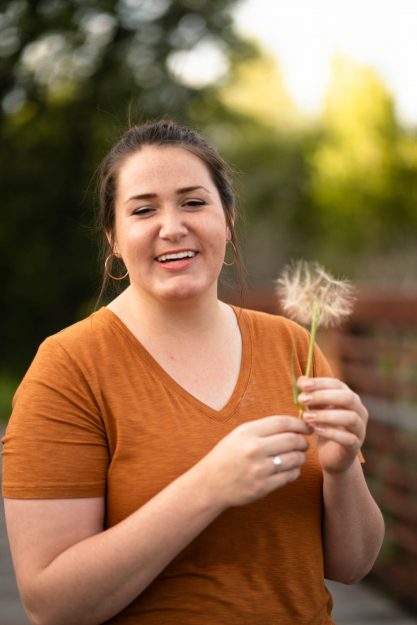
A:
96,578
353,527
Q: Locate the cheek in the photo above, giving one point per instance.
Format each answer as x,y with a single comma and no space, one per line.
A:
138,246
216,227
219,245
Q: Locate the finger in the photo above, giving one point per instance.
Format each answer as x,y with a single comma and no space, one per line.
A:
347,419
308,384
343,398
277,480
268,426
284,443
286,462
343,437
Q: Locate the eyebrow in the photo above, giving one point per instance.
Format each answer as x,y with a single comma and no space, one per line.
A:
151,196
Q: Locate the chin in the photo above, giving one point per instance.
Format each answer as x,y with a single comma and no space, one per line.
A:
183,292
179,295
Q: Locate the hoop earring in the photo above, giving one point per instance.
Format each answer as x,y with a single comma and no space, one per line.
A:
106,269
234,255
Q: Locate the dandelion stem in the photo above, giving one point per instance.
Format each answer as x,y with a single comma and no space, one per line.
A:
315,317
313,331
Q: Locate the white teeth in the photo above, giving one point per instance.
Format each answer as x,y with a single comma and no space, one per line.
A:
176,256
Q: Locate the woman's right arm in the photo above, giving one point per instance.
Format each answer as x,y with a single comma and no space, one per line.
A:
72,572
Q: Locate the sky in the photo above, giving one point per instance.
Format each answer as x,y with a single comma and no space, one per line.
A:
304,35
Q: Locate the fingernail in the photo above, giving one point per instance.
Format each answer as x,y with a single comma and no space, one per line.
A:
310,416
306,383
311,425
304,397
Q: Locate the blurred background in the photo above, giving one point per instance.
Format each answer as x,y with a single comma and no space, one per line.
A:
315,107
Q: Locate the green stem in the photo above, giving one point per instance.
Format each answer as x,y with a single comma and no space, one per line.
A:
313,331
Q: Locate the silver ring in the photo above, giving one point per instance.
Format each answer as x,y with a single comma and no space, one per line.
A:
277,463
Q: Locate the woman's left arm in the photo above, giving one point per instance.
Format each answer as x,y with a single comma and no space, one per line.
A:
353,527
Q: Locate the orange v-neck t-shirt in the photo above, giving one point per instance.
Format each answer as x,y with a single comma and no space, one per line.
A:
96,415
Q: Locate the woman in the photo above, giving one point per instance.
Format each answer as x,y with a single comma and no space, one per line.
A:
153,469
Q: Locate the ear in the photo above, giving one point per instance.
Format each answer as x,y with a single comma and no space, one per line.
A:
232,220
232,216
112,243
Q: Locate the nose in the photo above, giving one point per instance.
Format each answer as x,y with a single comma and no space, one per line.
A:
172,224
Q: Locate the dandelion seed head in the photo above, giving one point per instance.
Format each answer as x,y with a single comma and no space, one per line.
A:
307,287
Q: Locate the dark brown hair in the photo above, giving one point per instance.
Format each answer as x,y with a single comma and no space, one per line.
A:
162,133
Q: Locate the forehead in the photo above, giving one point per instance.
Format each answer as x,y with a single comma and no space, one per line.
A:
160,167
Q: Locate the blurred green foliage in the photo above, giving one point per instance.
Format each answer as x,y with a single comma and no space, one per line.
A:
71,73
7,389
364,169
341,189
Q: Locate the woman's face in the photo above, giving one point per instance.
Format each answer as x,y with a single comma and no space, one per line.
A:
170,226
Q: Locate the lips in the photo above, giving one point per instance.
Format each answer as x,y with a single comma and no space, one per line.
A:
175,256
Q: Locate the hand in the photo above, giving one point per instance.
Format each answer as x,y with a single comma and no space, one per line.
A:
240,468
338,417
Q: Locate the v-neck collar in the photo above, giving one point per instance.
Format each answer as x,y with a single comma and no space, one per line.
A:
225,413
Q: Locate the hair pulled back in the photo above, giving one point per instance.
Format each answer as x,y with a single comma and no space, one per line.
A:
161,133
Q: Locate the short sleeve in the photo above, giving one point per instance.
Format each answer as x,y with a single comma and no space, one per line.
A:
55,445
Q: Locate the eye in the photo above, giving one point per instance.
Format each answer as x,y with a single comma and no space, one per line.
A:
144,211
194,203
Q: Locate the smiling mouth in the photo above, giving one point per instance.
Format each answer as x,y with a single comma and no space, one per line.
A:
164,258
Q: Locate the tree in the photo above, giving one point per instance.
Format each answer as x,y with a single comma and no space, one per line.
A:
70,73
266,140
363,171
257,89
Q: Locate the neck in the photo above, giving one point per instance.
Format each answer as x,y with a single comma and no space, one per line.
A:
188,316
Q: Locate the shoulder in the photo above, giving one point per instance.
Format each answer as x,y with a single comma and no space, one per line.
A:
269,325
90,329
279,338
73,351
90,335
